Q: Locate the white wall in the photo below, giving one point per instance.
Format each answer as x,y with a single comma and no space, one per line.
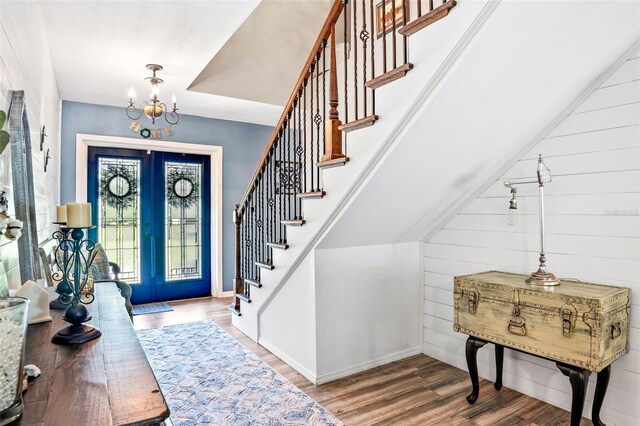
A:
287,327
366,310
347,310
25,64
593,234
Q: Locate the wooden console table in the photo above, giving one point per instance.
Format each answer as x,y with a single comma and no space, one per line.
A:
107,381
581,327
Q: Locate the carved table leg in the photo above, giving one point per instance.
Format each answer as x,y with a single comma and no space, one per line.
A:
499,359
579,379
601,389
472,347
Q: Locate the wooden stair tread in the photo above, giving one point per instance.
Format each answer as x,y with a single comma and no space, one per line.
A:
243,297
312,194
233,309
265,265
277,245
333,163
359,124
255,283
389,76
293,222
427,19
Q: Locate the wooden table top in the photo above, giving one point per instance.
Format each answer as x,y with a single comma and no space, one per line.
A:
107,381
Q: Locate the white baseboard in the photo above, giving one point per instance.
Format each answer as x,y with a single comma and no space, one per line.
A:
229,293
308,374
396,356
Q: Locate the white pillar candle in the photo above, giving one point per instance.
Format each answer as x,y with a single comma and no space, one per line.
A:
61,214
78,215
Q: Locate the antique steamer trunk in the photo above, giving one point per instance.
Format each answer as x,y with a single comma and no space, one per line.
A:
585,325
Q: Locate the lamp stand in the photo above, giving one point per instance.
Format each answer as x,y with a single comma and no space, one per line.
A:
542,277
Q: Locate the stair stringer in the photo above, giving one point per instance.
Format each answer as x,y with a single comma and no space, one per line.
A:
399,105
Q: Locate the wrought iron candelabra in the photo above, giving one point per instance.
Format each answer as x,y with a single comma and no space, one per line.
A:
74,273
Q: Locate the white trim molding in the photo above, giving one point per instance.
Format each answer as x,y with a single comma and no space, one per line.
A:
386,359
84,141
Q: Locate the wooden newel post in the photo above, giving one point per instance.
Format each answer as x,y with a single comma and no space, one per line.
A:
333,141
238,284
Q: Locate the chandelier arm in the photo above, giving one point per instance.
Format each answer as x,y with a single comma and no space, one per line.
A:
171,114
131,112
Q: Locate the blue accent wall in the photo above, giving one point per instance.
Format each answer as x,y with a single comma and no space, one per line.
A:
242,144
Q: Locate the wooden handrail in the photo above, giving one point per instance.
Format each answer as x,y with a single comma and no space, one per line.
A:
325,32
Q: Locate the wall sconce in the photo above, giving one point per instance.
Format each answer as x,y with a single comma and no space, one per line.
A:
42,136
540,277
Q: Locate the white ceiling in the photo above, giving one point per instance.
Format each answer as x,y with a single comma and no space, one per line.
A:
100,48
262,62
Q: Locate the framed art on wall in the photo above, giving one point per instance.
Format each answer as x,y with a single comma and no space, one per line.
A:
386,26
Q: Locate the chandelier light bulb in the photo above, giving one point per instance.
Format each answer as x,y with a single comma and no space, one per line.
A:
132,94
173,100
155,91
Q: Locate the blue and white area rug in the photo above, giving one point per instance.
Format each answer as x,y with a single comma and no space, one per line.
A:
208,377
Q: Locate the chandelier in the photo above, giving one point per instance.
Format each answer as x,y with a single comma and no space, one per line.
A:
153,108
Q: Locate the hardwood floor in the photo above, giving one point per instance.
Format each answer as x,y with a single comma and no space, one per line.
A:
415,391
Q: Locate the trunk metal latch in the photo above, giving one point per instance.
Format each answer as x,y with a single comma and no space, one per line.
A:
474,298
568,313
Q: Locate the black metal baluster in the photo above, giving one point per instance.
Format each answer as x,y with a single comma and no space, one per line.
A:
384,36
393,32
259,219
300,153
405,48
282,185
304,134
419,8
373,62
430,5
254,231
294,164
247,239
317,119
324,107
285,169
364,36
267,219
274,194
311,117
279,185
354,49
265,209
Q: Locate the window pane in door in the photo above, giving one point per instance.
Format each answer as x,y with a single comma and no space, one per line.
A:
183,221
119,215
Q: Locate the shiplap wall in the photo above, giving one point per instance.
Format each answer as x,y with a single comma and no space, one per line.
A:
25,64
593,234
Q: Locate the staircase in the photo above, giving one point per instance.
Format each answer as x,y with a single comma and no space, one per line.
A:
328,133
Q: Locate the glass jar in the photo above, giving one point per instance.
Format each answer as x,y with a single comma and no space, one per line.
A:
13,328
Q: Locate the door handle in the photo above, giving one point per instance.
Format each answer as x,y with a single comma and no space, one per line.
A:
153,257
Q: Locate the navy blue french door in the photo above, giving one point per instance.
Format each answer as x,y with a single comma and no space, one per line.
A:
153,220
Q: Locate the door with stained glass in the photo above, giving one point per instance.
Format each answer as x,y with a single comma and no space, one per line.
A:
152,215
